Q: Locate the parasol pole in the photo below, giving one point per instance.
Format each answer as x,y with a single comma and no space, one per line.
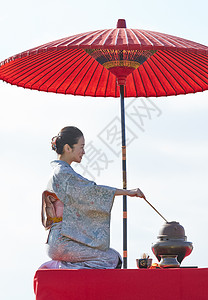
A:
124,177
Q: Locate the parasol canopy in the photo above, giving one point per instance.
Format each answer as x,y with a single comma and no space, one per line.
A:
149,64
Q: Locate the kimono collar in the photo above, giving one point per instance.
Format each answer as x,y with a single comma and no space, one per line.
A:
57,162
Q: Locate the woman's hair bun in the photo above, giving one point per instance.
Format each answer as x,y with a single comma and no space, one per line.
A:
68,135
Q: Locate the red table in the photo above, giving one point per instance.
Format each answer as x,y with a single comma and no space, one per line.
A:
154,284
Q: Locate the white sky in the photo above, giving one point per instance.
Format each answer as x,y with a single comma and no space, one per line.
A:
168,160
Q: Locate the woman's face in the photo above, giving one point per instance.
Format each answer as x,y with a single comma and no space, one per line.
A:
78,150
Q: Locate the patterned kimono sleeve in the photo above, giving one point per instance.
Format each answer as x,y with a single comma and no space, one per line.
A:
73,187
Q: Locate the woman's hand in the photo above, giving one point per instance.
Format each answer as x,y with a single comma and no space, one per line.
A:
132,193
135,193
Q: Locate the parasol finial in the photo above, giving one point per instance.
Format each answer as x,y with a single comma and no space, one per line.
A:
121,23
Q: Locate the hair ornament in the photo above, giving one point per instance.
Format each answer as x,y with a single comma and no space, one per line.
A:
53,143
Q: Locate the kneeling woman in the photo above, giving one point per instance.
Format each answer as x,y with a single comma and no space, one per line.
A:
77,211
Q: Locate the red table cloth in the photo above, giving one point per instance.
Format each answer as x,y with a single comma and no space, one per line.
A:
154,284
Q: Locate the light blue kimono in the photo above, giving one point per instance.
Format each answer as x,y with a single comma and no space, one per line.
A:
82,239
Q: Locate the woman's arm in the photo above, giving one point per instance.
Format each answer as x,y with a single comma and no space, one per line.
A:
132,193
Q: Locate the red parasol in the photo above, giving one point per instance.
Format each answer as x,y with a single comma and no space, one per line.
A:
113,63
65,66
